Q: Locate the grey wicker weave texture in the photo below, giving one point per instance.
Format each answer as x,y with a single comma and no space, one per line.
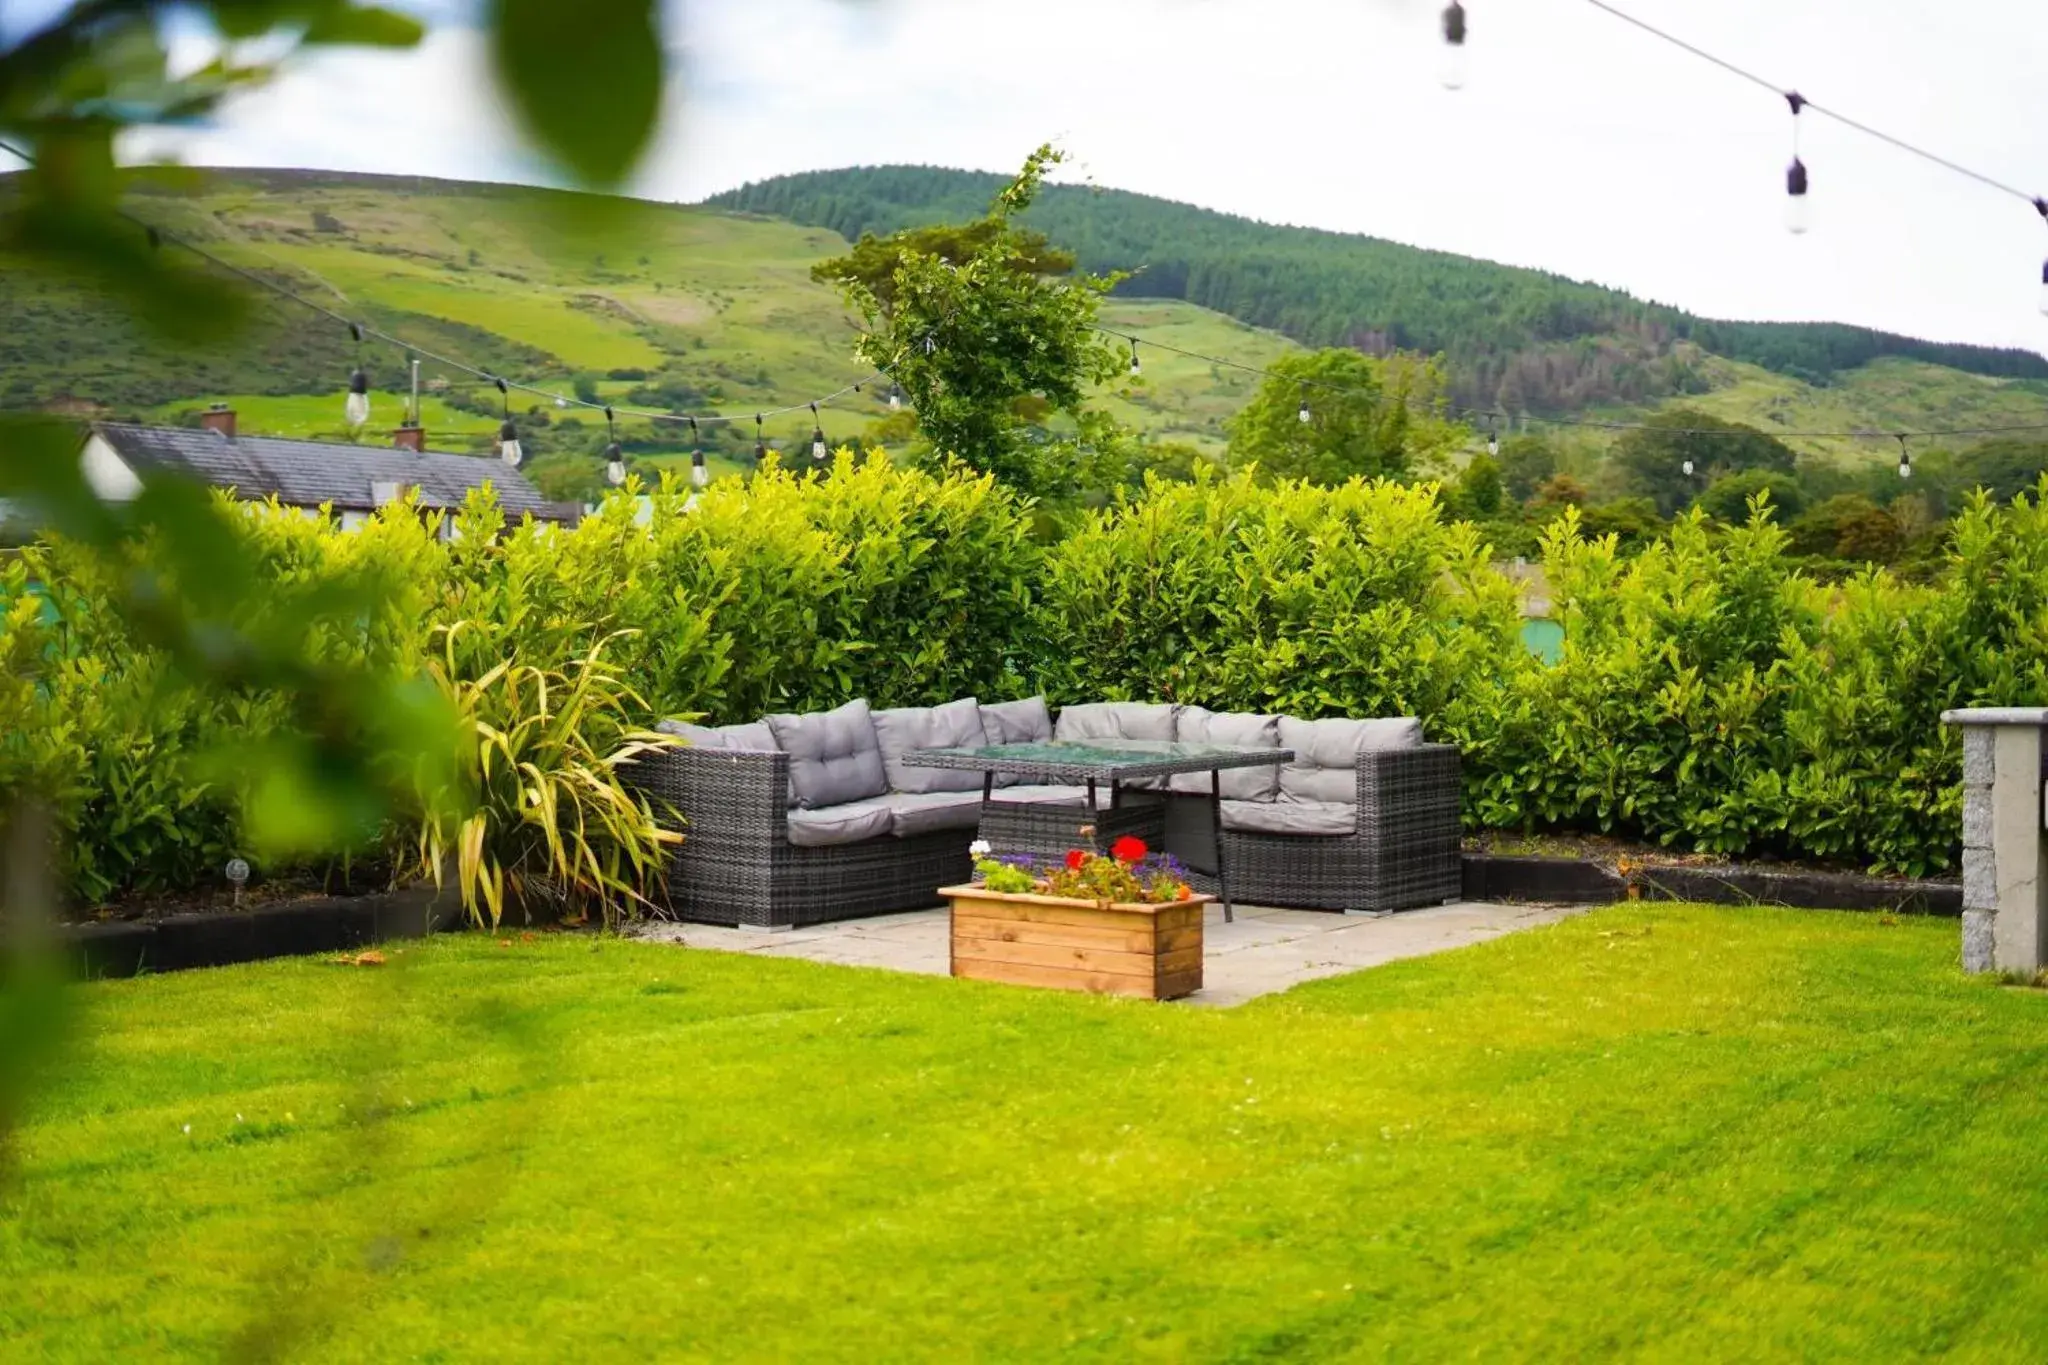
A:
1047,830
1403,855
736,864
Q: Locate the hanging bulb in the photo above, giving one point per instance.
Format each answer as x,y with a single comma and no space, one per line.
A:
699,475
895,399
508,443
1136,368
1798,212
818,450
760,440
615,464
1453,64
1303,414
356,407
2044,287
1492,436
1685,468
1905,459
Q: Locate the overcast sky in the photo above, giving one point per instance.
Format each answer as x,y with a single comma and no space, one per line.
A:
1579,145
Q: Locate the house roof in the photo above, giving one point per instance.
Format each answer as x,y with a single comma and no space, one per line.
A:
309,473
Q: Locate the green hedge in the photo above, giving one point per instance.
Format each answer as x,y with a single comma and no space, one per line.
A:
1708,695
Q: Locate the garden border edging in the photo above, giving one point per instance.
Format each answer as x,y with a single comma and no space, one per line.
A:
1581,881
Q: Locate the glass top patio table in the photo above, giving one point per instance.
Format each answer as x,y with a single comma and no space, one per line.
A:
1104,760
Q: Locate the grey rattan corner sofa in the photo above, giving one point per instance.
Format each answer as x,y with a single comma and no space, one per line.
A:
795,820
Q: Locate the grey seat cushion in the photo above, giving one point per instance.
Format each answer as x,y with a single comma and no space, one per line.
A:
1291,817
901,729
1199,725
923,812
1325,766
851,823
754,736
834,756
1116,720
1061,796
1017,722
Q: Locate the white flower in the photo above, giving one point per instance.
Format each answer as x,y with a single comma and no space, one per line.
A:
980,848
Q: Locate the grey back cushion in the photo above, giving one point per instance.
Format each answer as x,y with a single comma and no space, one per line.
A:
1017,722
956,725
1325,766
834,756
754,736
1116,720
1199,725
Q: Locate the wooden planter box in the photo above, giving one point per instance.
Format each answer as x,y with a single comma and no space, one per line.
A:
1153,952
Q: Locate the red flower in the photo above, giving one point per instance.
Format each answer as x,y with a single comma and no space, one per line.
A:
1075,857
1127,849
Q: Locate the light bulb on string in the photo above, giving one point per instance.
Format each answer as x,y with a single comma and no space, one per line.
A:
895,399
1492,435
2041,207
614,456
760,440
1798,208
1304,414
508,435
1136,368
818,449
1685,466
356,407
1905,459
699,475
1453,65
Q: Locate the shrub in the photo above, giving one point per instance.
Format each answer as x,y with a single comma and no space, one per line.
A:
541,814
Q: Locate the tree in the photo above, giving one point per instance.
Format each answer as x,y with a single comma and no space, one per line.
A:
1727,499
986,330
2007,467
1477,493
1526,460
1652,457
1848,526
1367,417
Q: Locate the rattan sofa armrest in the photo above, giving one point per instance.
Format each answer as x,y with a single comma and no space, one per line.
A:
737,792
1408,789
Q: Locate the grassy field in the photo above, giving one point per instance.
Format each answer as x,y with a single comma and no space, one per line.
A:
546,284
1674,1133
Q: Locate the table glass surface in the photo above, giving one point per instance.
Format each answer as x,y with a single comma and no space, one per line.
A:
1106,755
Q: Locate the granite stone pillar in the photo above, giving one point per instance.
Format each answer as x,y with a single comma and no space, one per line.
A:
2005,841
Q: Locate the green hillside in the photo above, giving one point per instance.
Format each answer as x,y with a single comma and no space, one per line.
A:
1525,340
685,309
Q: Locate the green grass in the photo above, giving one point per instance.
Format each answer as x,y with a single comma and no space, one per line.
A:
1672,1133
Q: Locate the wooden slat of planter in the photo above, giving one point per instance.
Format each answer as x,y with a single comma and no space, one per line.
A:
1118,939
1063,978
1057,955
1053,913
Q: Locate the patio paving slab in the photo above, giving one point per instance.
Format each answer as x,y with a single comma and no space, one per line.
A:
1263,951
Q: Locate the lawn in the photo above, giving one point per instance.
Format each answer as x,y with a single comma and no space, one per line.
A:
1674,1133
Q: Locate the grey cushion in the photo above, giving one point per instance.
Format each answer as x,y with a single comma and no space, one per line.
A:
1325,766
1017,722
901,729
834,756
1199,725
1116,720
1064,796
923,812
1291,817
851,823
754,736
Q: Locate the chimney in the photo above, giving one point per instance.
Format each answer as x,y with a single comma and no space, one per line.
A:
413,438
221,418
